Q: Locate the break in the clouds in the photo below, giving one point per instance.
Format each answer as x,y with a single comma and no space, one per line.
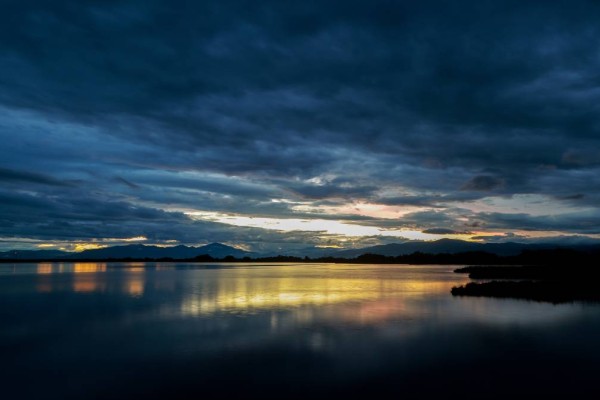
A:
275,124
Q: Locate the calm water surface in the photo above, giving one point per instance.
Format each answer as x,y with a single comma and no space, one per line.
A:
168,330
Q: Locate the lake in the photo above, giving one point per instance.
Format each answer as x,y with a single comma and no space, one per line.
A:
177,330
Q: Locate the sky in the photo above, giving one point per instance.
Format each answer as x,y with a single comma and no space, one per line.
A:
275,125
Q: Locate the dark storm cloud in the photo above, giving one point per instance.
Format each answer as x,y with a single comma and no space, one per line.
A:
333,190
416,220
576,196
483,183
575,222
225,106
89,219
14,176
125,182
445,231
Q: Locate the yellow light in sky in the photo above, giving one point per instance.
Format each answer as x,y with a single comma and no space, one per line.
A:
105,242
87,246
360,208
132,239
330,227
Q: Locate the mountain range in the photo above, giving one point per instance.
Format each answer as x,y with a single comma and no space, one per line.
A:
219,250
450,246
215,250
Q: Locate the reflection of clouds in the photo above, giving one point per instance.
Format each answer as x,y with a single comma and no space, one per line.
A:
76,268
86,284
391,300
354,295
134,284
90,267
79,268
368,294
44,268
90,277
44,287
301,294
354,315
375,312
84,280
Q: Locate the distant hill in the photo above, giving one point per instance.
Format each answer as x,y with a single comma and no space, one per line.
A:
449,246
219,250
453,246
215,250
311,252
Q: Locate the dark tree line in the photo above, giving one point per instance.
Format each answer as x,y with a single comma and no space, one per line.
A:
528,257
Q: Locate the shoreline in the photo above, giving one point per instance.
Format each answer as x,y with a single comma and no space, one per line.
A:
545,283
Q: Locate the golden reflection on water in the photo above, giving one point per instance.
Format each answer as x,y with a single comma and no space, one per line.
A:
87,278
44,268
50,268
44,287
134,285
350,293
373,297
356,295
89,267
83,284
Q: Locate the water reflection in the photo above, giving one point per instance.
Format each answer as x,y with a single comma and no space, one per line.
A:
240,293
44,268
134,283
90,278
350,294
82,284
221,331
77,268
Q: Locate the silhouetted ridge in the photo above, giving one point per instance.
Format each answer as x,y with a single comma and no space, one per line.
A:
443,251
230,254
454,246
137,251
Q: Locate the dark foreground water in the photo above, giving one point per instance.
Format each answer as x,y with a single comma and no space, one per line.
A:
169,331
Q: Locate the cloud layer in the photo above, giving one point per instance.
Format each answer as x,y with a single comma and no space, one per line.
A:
129,118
